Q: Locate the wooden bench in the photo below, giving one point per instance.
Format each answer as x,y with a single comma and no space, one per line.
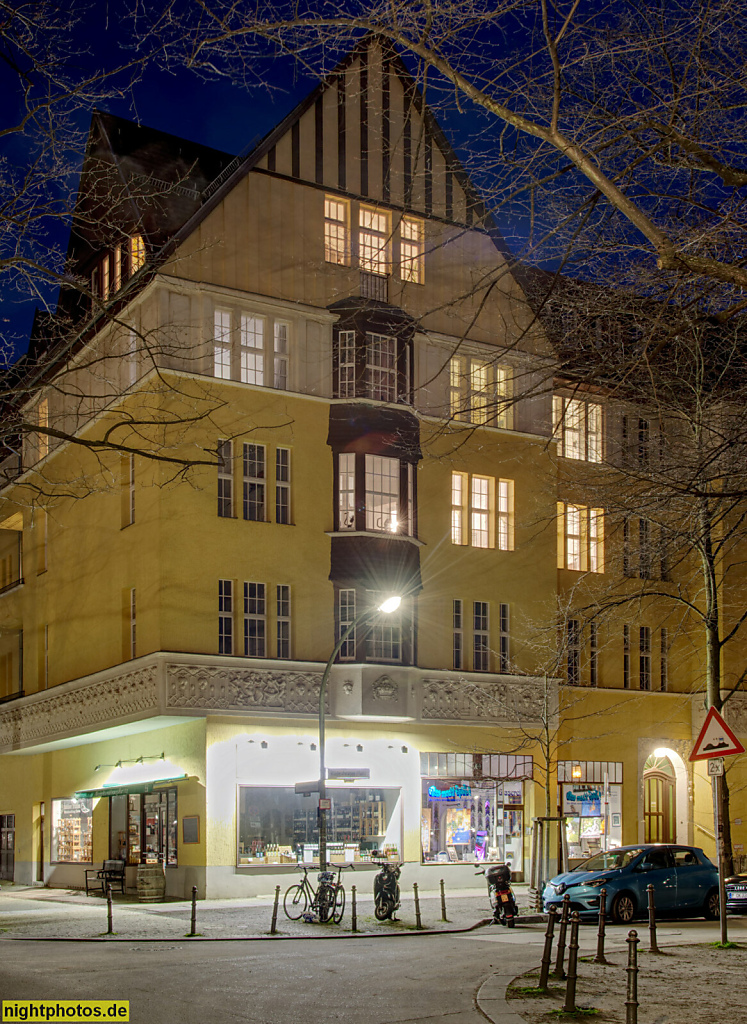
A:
112,873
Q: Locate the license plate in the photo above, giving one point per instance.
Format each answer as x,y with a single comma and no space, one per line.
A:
504,897
737,888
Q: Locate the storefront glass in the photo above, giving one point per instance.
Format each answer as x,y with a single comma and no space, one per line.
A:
143,828
276,825
72,831
472,820
594,817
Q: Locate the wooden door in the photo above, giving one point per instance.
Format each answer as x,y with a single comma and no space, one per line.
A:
658,808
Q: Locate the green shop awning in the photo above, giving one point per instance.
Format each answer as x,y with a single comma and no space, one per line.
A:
133,787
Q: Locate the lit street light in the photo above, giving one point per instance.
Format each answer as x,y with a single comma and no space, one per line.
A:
391,604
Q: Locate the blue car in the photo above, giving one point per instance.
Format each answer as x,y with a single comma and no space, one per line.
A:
684,880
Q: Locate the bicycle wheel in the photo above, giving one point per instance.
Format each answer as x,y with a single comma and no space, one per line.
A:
295,901
324,902
338,908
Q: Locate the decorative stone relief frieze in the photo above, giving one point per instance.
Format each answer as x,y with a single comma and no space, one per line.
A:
385,689
462,699
99,703
735,713
228,689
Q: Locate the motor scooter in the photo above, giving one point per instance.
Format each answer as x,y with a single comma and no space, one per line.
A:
386,890
500,894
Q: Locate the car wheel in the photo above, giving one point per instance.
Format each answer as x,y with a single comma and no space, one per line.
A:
623,908
710,907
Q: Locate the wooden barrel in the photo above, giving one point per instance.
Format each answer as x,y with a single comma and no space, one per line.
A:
151,883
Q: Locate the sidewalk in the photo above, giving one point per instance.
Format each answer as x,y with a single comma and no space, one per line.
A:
36,913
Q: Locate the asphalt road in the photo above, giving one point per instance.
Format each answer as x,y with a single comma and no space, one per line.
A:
359,981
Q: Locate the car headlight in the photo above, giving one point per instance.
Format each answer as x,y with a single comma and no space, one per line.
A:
560,888
598,882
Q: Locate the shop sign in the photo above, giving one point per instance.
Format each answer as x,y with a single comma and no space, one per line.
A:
452,793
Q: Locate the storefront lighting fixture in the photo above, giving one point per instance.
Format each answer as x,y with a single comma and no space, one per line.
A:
133,760
404,750
576,771
389,605
661,752
263,744
359,748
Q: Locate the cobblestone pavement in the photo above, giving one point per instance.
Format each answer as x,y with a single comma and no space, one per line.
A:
67,914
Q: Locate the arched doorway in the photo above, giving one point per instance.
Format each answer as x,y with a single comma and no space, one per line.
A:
658,801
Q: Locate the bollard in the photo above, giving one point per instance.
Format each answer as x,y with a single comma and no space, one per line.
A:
109,922
354,909
193,928
418,922
443,901
273,926
559,972
631,1003
570,988
547,951
600,958
652,919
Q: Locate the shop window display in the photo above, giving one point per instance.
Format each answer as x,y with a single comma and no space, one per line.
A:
276,825
143,828
72,830
593,817
472,820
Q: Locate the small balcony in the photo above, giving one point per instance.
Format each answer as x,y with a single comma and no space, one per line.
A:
374,286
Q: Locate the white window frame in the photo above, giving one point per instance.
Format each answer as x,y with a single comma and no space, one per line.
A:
255,613
382,489
481,511
137,253
412,250
480,636
459,493
346,603
336,231
457,627
283,486
283,620
383,639
222,338
252,349
504,638
281,351
225,617
256,480
346,364
374,233
578,425
580,538
346,491
225,480
381,367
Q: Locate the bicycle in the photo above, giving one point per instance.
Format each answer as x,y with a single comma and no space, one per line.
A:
328,902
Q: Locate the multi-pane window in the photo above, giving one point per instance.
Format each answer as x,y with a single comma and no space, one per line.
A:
283,621
280,365
636,441
645,560
504,639
580,538
137,253
255,620
384,638
42,419
573,651
346,364
373,240
381,368
644,657
336,244
481,500
382,494
480,392
254,482
225,616
225,479
593,654
345,617
105,285
252,349
578,426
222,344
474,512
664,660
411,250
116,269
505,515
457,645
282,486
458,508
346,491
127,468
626,657
480,637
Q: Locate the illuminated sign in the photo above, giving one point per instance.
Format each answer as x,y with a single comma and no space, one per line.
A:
452,793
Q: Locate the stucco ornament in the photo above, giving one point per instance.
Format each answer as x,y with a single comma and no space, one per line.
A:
384,688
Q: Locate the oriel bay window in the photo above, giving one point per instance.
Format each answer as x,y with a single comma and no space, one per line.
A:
373,361
375,493
378,638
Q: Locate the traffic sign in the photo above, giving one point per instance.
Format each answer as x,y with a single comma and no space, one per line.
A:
348,774
716,739
716,766
307,788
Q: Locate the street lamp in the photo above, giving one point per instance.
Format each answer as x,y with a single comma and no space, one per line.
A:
391,604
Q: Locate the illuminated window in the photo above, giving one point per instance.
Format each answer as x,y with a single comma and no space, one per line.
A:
384,637
105,283
480,392
505,515
72,831
474,516
42,419
580,538
459,483
346,491
411,250
137,253
255,623
373,241
252,349
382,494
336,243
222,344
481,505
577,425
117,269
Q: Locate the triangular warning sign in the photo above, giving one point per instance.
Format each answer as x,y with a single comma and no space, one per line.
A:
716,739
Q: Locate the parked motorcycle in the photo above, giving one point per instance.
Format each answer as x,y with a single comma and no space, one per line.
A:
500,893
386,890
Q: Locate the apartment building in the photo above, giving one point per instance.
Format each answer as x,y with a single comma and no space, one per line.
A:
299,383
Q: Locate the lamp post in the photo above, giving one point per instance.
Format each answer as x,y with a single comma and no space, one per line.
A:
388,606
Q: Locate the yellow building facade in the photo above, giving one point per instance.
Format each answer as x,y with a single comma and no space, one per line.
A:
305,381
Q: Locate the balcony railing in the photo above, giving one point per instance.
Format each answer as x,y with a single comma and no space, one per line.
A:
374,286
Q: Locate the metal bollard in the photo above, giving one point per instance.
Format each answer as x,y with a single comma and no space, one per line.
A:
418,922
443,901
569,1006
109,921
652,919
559,972
631,1003
354,909
274,925
193,928
600,958
547,951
